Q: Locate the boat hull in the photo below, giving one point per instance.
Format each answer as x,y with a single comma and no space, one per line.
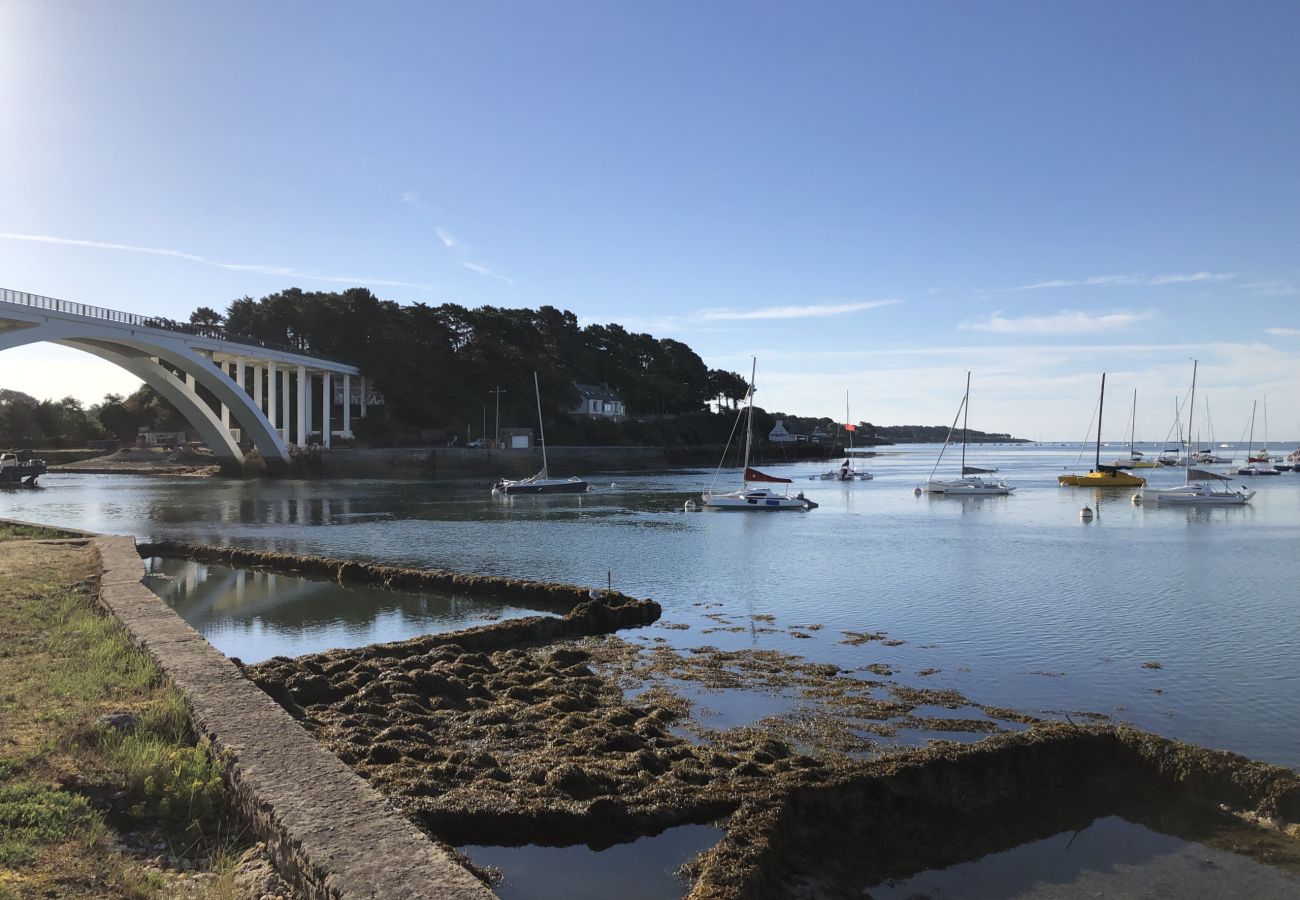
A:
1102,480
968,487
1195,495
757,500
514,488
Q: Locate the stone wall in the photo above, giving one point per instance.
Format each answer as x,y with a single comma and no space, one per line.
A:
330,833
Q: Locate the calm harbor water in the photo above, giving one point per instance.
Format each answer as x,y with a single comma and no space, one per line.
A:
1181,621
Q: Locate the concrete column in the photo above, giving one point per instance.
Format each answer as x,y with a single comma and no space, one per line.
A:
303,384
286,391
326,398
239,372
272,412
257,386
347,406
363,396
311,425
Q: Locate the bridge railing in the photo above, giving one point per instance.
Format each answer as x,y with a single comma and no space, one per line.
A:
216,332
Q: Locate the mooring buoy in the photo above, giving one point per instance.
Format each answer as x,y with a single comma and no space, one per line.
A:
1086,513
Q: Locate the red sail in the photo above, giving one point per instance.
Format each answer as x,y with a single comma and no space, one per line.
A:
850,427
755,475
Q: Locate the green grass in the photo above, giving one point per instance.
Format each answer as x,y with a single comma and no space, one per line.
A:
33,814
14,532
63,665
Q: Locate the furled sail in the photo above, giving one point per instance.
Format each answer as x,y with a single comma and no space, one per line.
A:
755,475
976,470
1203,475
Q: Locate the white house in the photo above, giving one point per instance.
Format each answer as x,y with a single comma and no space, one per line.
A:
779,435
599,402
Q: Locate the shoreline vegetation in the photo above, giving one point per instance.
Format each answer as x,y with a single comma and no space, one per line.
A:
104,789
671,397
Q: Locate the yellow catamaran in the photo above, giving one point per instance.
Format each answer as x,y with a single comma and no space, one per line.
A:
1102,476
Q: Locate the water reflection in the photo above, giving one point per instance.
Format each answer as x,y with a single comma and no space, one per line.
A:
255,615
989,590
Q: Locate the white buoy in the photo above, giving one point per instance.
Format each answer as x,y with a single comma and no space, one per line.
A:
689,506
1086,514
1137,499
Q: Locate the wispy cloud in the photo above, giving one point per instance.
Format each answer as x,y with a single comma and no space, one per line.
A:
448,240
484,270
814,311
1272,287
250,268
1284,332
1064,322
1127,281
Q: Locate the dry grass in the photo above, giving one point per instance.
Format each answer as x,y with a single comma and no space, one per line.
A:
66,784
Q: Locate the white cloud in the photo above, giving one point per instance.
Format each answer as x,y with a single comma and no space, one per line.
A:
814,311
249,268
1128,281
1284,332
448,240
484,270
1272,287
1064,322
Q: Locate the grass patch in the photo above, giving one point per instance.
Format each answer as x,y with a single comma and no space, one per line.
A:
10,531
70,786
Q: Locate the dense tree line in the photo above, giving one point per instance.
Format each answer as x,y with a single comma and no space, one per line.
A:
437,366
27,423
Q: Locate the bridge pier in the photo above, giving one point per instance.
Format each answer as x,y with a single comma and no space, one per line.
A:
176,361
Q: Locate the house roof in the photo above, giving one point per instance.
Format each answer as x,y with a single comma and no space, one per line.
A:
597,392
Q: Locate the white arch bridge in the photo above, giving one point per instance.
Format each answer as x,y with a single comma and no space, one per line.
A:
267,390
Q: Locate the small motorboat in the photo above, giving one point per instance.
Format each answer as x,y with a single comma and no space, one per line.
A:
16,471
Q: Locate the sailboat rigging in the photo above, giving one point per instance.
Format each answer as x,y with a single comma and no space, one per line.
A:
1199,485
542,482
970,483
747,497
846,471
1102,476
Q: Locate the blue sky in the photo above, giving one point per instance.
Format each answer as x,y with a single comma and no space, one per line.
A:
868,196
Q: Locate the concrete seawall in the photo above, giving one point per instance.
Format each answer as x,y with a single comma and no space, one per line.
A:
329,832
459,462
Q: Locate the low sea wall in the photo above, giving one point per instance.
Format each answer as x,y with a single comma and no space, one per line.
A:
520,591
329,832
461,462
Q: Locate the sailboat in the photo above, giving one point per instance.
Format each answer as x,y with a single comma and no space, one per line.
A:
1102,476
1206,456
845,472
760,497
1199,486
970,483
1261,462
1136,458
542,482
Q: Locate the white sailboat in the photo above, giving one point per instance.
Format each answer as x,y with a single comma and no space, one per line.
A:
1199,486
542,482
846,471
1136,458
970,483
1260,463
748,498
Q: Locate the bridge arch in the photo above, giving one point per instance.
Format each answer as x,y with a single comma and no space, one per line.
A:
127,341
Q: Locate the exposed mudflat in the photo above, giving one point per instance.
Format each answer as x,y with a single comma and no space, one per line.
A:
552,731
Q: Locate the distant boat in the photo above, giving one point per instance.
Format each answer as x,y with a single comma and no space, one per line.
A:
748,498
13,471
845,472
542,482
1102,476
970,483
1260,463
1136,458
1199,487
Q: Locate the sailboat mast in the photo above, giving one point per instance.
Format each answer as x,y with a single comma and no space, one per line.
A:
1100,403
965,418
1251,443
848,421
541,428
1132,425
1191,406
749,425
1266,425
